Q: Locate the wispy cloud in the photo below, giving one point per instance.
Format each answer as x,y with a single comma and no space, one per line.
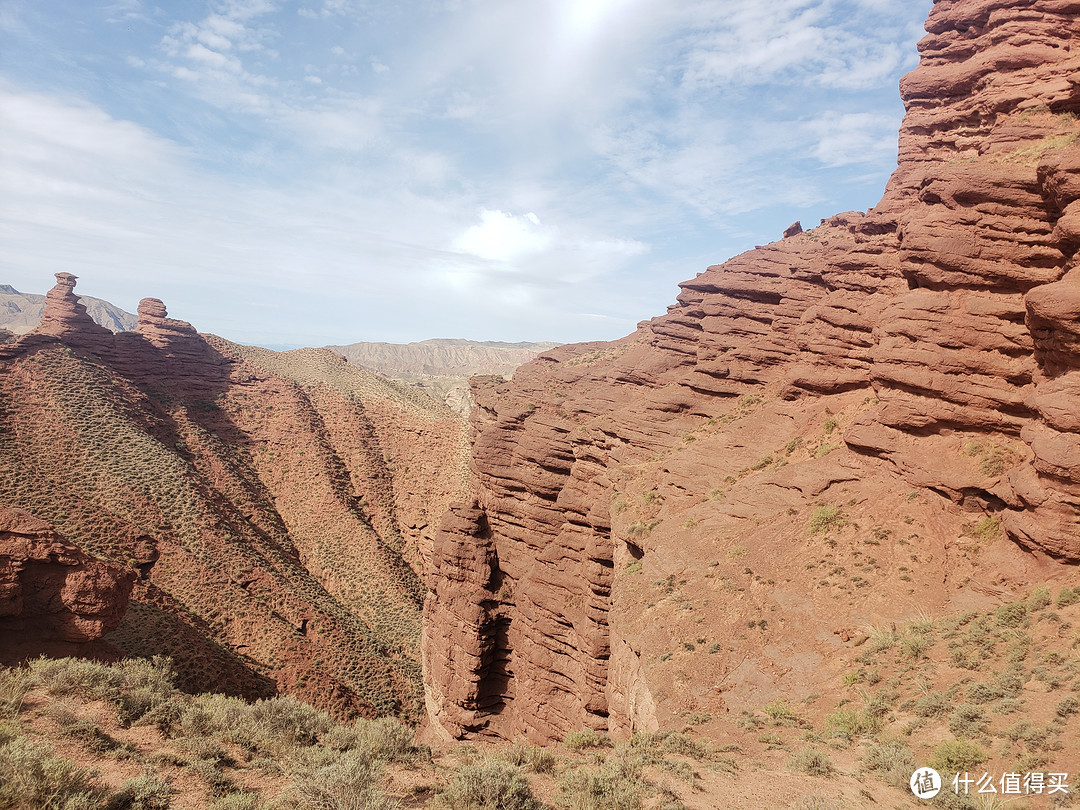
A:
448,166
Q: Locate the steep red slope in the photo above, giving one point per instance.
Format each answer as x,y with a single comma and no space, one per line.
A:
275,504
937,334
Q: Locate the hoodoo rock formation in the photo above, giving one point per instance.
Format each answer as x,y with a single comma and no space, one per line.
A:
49,589
938,334
65,316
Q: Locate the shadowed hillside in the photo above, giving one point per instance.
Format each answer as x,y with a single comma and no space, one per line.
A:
276,504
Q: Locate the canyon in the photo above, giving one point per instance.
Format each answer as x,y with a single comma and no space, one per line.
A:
911,374
836,473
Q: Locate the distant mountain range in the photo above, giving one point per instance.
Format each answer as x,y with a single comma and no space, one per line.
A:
440,367
21,312
441,357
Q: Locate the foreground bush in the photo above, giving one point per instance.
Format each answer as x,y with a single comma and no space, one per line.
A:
349,783
32,777
136,687
490,785
616,786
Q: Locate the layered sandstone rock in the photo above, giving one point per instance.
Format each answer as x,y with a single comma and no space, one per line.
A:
65,317
943,322
50,589
181,353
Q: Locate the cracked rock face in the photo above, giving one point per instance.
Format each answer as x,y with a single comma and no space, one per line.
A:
50,589
947,317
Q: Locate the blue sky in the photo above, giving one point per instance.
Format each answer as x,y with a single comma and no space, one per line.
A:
306,172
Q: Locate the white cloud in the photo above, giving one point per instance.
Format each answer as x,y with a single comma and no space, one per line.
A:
646,138
352,256
853,138
504,237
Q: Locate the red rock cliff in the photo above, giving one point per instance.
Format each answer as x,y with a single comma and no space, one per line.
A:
942,329
49,589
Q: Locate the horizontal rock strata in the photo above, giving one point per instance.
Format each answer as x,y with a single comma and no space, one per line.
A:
954,305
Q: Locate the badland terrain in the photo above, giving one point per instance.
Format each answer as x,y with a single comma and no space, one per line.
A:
815,525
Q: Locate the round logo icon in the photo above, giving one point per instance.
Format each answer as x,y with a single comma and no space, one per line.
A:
925,783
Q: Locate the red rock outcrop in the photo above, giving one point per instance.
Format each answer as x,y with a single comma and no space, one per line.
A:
50,589
940,330
65,317
179,354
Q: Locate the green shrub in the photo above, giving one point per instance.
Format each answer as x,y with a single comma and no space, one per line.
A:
136,687
676,742
825,518
780,713
588,738
490,785
985,693
1011,614
348,783
957,756
986,529
530,757
384,739
617,786
933,704
14,684
967,720
286,719
147,791
32,777
1067,706
240,800
852,723
217,782
62,677
1040,598
813,762
1068,596
890,761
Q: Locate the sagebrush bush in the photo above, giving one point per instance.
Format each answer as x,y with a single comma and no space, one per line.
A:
148,791
33,777
136,687
890,761
852,723
14,684
825,518
531,757
813,762
605,790
489,785
968,720
957,756
351,782
240,800
587,738
384,739
286,719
